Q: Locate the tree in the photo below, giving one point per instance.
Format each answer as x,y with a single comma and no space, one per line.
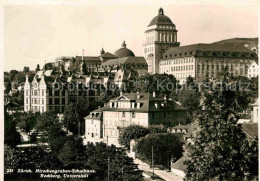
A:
37,68
84,68
26,69
12,74
8,87
27,121
11,136
72,153
121,167
56,138
190,99
157,129
166,146
220,149
45,121
11,158
132,132
74,116
161,84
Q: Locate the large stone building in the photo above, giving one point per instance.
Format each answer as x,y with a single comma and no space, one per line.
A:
161,34
52,91
122,58
198,60
132,109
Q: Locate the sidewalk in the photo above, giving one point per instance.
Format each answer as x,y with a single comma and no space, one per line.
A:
168,176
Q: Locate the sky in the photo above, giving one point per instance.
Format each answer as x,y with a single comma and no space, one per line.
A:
34,34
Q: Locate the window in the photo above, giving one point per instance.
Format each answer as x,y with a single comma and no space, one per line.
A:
63,93
42,100
26,100
35,92
56,101
133,115
123,114
63,100
50,92
50,100
56,93
27,92
43,92
42,109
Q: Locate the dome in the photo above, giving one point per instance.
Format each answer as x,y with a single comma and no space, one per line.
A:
161,19
124,52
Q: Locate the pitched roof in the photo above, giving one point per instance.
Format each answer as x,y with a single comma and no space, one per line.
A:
147,102
124,60
251,129
108,55
207,49
88,58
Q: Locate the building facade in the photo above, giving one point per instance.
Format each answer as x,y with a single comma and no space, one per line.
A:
136,109
200,60
253,70
94,126
54,92
161,34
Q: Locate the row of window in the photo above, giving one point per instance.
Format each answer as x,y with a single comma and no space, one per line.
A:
148,50
178,61
35,92
166,27
35,101
183,75
37,109
252,70
57,101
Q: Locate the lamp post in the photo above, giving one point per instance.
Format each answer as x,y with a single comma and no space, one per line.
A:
108,169
152,162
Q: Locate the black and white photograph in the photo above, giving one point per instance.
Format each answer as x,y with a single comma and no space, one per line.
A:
129,90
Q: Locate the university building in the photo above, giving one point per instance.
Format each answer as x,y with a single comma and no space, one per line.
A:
106,123
161,34
163,54
198,60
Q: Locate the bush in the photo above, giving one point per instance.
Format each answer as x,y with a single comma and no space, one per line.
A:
132,132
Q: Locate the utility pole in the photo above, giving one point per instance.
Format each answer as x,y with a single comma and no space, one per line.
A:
108,169
78,128
152,162
107,139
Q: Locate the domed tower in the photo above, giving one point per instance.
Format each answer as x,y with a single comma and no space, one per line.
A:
124,52
161,34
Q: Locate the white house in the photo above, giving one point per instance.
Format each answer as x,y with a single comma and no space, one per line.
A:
132,109
253,70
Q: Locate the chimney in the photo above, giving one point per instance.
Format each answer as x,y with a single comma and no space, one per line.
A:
138,96
154,94
98,107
